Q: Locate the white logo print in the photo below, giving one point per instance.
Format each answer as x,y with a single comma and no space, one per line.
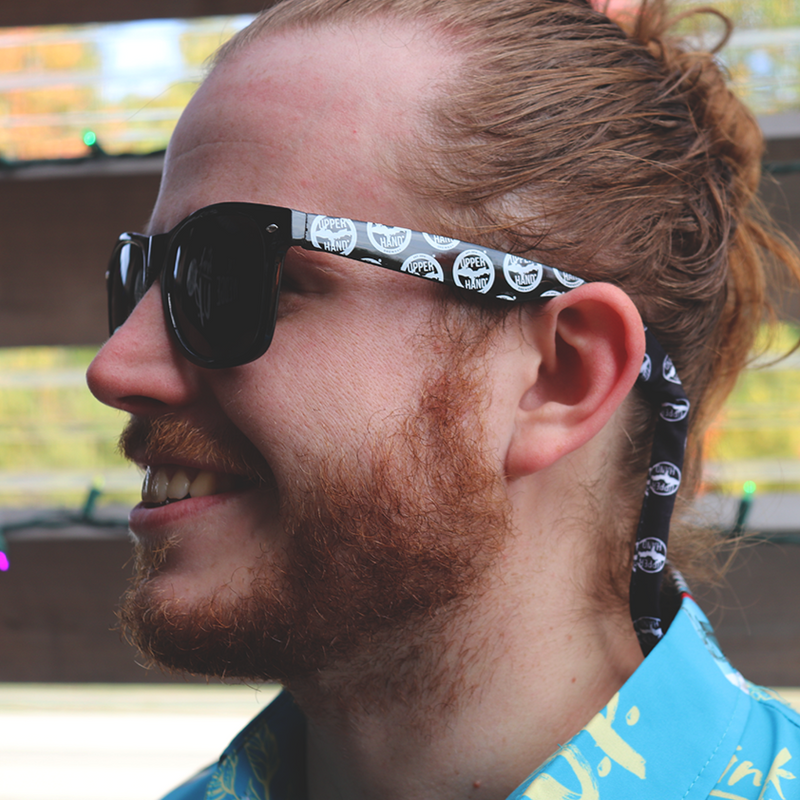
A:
650,555
440,242
334,235
387,239
569,280
521,274
551,293
674,412
665,478
669,371
425,266
648,626
647,368
473,270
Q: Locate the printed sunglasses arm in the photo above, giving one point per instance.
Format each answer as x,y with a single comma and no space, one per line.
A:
474,268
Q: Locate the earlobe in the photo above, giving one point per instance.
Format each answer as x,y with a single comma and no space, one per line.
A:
590,342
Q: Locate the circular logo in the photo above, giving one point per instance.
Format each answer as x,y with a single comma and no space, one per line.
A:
650,555
521,274
473,270
664,479
648,626
669,371
646,370
440,242
424,266
387,239
334,235
568,280
674,412
550,293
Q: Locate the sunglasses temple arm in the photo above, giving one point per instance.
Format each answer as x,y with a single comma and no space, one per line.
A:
300,223
413,253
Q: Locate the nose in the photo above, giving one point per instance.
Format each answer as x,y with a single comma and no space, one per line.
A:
139,369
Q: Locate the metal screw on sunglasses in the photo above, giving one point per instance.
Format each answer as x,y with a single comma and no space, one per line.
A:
220,273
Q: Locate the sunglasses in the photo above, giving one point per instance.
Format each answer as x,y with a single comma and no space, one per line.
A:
220,272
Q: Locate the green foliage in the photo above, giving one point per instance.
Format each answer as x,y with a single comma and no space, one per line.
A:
759,428
57,85
51,426
762,14
762,60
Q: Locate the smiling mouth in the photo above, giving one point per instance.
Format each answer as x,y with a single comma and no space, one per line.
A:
167,483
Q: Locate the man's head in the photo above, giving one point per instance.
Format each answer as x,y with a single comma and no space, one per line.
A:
397,447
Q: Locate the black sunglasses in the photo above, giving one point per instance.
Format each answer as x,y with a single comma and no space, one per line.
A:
220,272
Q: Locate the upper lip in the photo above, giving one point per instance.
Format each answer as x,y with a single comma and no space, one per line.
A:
185,445
154,461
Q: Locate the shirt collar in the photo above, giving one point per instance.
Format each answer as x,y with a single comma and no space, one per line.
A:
673,726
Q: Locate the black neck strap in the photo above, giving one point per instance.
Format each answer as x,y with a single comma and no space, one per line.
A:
661,386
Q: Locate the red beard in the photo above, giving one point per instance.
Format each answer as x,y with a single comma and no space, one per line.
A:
380,549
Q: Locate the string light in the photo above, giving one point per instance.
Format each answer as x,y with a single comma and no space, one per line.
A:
745,504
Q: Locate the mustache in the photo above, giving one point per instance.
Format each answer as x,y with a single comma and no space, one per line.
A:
171,438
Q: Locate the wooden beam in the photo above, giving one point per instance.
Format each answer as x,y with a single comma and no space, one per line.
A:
58,231
70,12
57,622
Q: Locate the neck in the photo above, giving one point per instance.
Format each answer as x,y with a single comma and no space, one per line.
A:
479,697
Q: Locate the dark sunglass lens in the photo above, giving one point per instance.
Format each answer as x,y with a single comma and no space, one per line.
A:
218,287
126,282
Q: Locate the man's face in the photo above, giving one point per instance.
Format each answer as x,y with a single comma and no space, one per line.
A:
357,486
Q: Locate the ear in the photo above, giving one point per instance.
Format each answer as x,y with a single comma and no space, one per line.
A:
590,345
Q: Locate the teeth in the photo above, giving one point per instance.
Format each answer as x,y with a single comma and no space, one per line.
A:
147,486
154,488
158,487
179,486
204,484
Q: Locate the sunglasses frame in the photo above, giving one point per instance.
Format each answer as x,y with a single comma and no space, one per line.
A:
470,267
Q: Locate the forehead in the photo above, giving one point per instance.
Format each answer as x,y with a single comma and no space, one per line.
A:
317,119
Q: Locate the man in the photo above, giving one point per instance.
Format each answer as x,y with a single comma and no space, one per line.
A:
417,505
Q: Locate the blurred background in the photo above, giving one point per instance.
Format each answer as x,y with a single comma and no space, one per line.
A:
89,94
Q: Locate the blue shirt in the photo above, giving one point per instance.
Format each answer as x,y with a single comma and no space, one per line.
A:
685,726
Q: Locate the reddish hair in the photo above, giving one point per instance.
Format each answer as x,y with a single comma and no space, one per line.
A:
608,149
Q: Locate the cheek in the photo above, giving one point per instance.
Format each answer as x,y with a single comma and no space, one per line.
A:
329,380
